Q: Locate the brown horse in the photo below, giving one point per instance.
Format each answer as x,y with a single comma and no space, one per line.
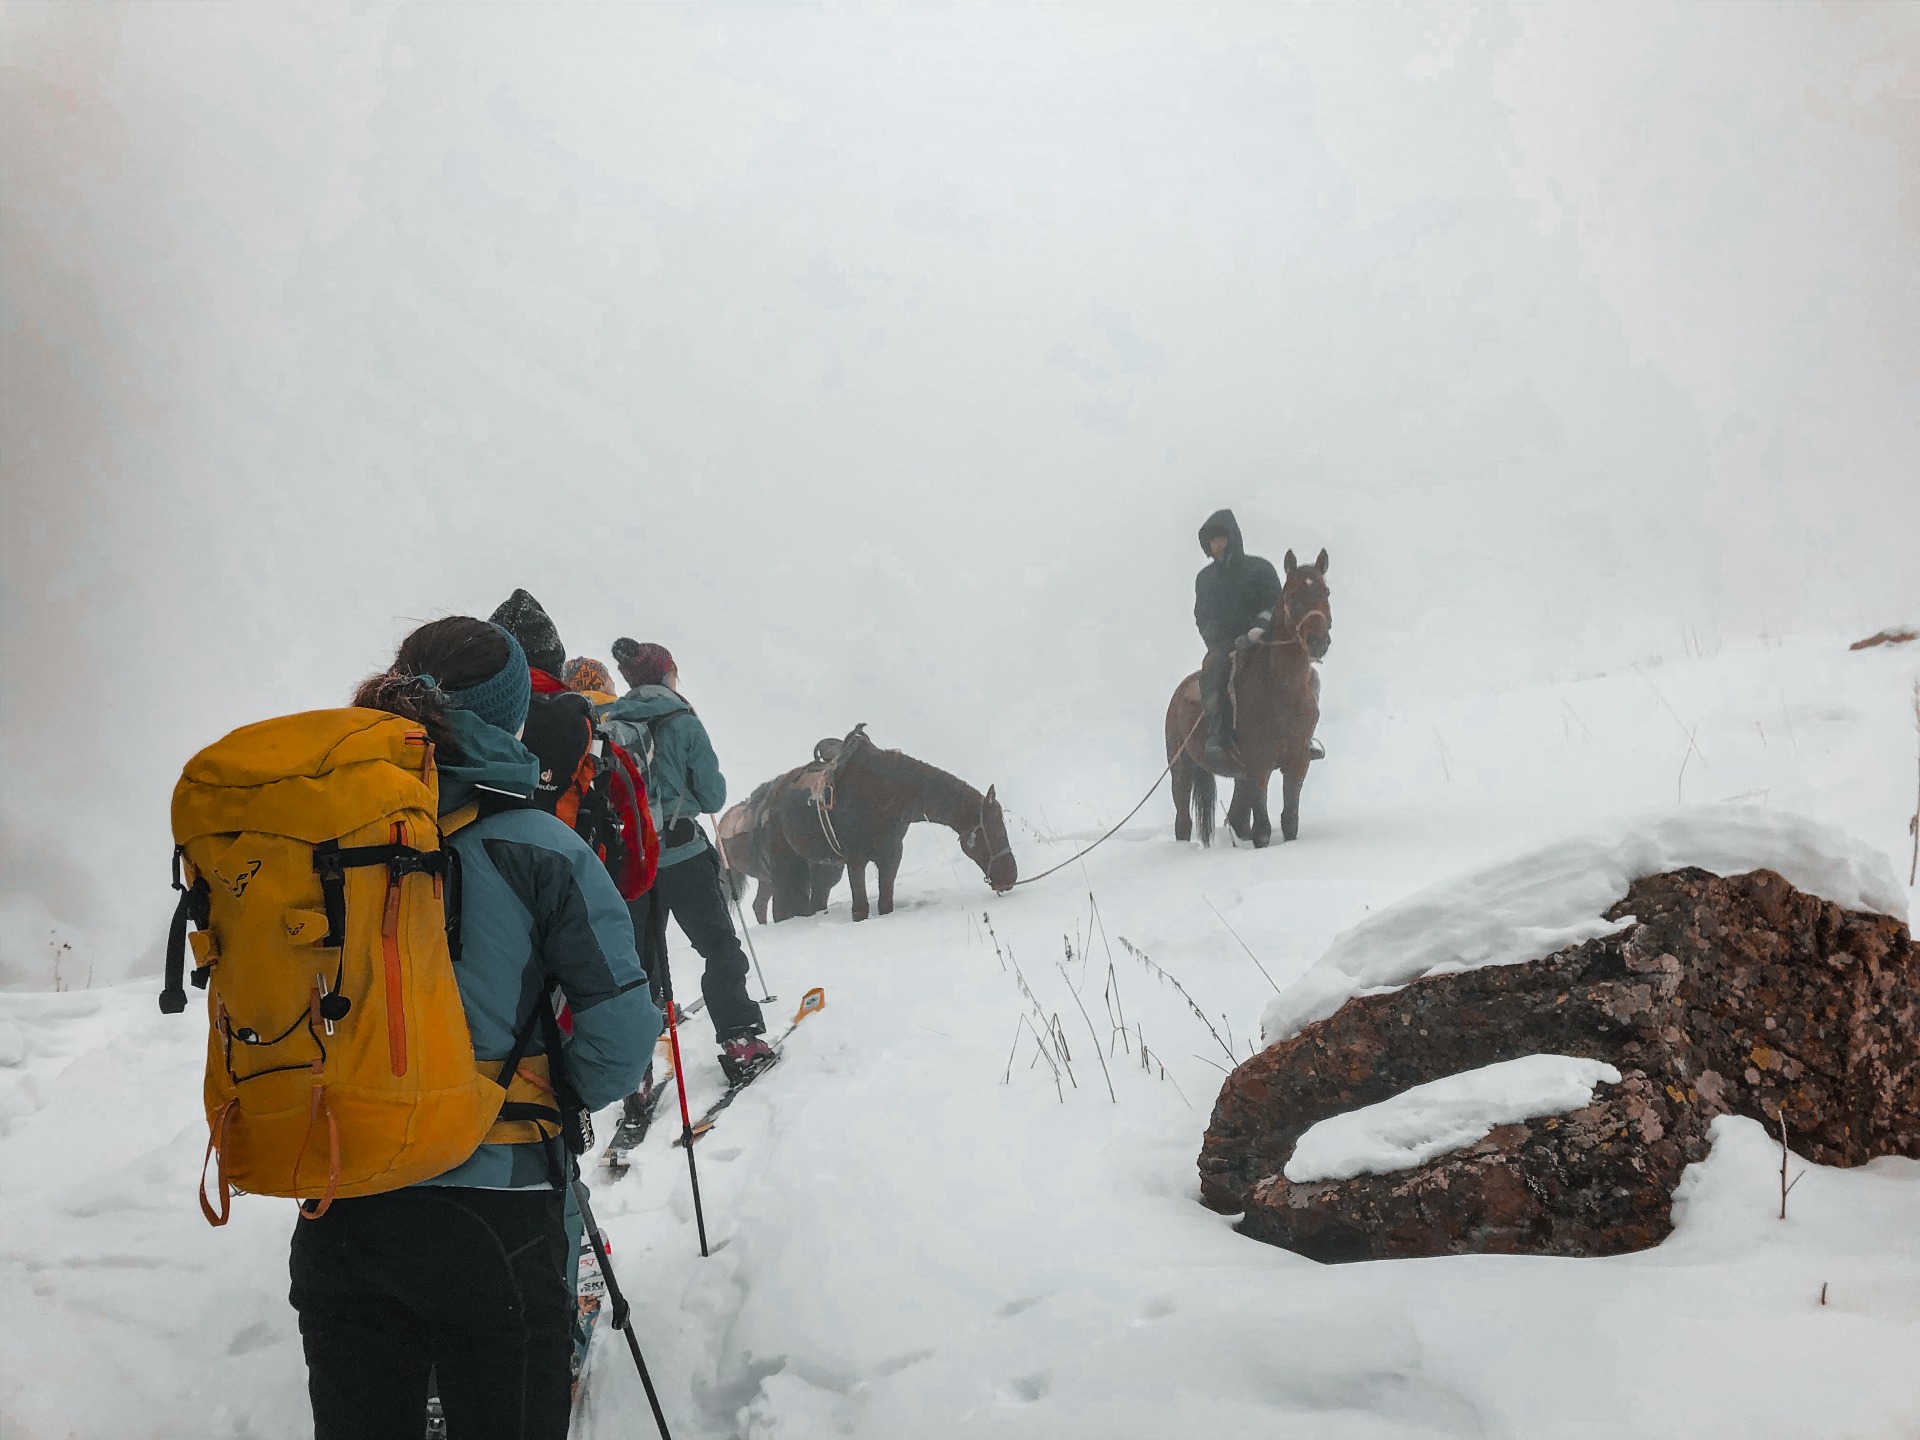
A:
744,853
857,813
1276,704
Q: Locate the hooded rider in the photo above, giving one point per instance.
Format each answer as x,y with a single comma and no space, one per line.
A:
1233,600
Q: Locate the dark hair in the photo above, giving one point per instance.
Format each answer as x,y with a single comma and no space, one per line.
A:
456,652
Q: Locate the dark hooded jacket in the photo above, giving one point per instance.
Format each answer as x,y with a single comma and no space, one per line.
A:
1234,593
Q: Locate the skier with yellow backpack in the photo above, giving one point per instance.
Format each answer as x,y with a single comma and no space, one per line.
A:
384,926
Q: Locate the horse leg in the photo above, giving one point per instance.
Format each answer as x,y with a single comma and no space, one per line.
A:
762,897
1240,812
888,864
1262,826
857,883
1294,777
1183,777
789,886
825,877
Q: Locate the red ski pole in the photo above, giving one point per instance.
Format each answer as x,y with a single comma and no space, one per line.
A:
680,1083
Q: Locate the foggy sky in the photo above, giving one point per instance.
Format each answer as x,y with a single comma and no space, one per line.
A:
882,361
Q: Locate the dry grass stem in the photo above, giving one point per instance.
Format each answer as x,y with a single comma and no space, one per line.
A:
1243,945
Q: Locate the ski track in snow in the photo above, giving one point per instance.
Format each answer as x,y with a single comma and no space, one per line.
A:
906,1246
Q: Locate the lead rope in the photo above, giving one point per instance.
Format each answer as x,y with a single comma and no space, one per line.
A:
1151,789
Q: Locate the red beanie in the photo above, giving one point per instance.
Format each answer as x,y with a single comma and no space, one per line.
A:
647,665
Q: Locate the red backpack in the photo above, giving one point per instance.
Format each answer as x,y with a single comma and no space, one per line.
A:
619,780
603,795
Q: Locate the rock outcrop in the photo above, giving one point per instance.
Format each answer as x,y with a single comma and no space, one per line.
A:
1737,995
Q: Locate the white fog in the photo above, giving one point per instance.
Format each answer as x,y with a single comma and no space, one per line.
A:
883,360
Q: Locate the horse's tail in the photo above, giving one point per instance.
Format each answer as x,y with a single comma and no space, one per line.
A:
1206,794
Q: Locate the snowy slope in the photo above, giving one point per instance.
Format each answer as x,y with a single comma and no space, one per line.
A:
917,1238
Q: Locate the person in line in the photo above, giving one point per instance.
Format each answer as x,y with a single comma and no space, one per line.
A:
588,677
654,721
526,619
466,1274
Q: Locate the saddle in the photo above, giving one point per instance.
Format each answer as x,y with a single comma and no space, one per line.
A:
816,781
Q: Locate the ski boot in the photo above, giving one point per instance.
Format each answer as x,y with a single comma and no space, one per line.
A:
743,1057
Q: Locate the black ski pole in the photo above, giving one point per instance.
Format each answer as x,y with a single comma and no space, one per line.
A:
767,997
622,1314
659,947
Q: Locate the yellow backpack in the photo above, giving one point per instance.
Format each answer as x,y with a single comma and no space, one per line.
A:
338,1060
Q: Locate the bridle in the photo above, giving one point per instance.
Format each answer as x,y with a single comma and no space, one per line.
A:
1286,608
994,850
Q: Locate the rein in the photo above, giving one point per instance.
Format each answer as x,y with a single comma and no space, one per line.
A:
1294,639
824,811
1151,791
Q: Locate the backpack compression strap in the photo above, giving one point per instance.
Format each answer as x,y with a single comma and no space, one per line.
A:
193,905
332,863
567,1115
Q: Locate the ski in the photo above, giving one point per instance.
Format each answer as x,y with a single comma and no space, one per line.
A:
810,1003
590,1292
637,1120
634,1124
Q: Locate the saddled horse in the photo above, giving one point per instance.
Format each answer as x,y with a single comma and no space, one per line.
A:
743,834
856,813
1276,699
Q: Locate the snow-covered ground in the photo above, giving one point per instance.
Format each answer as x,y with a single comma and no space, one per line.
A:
915,1236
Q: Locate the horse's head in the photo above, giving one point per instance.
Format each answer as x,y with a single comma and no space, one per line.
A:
1305,612
986,845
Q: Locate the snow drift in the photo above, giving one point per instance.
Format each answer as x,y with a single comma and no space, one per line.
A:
1445,1114
1545,899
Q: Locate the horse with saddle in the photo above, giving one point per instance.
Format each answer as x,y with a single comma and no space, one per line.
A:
849,808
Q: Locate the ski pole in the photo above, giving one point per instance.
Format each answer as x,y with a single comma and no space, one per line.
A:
680,1083
622,1314
767,997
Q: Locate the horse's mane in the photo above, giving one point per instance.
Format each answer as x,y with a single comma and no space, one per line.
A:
898,767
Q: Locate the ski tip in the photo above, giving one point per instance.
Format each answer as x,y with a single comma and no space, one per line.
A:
814,999
690,1137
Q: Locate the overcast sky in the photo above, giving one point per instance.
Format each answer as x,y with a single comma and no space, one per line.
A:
882,361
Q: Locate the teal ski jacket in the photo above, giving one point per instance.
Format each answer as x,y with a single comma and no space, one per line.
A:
537,909
683,777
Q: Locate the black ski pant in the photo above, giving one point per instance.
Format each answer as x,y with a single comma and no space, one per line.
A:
437,1278
691,892
1216,674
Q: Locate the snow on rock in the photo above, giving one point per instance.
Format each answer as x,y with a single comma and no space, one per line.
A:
1532,904
1446,1114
